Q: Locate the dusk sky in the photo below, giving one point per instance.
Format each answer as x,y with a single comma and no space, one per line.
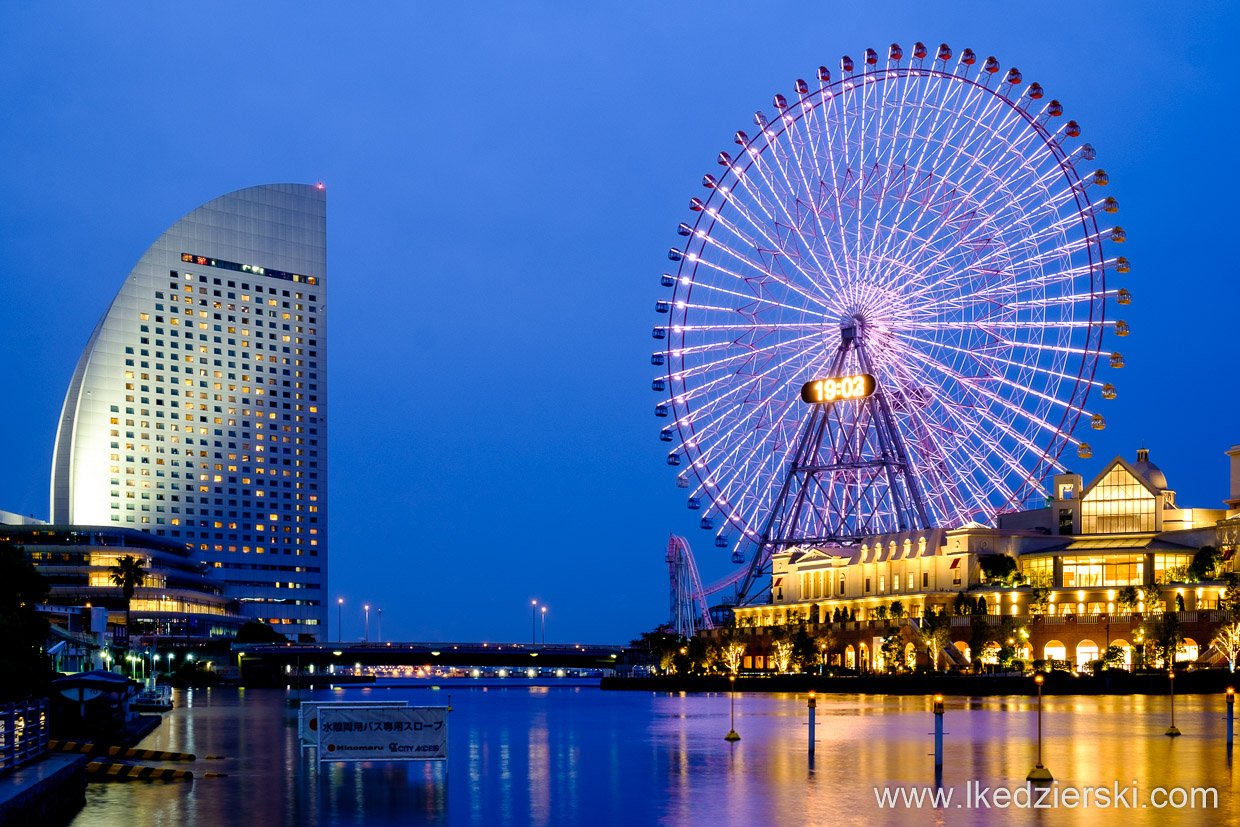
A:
503,184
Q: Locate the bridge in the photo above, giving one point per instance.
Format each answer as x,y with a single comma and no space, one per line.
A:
271,659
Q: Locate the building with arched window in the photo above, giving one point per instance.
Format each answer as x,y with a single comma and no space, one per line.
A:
1079,572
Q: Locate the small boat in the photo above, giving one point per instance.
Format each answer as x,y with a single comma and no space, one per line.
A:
153,699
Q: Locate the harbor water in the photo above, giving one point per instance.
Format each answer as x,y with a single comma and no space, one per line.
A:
579,755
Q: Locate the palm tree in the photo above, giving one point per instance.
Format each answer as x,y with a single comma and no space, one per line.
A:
128,574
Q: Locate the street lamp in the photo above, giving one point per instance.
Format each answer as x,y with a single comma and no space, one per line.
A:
544,626
339,618
732,736
533,622
379,631
366,608
1173,730
1039,772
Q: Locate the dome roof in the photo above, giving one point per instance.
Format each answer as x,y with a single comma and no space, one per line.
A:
1152,473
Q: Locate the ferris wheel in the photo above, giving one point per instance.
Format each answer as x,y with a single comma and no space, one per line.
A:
940,212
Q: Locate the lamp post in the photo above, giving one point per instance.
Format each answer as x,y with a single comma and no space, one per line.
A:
366,609
1039,772
379,631
732,736
1173,730
544,626
533,622
339,618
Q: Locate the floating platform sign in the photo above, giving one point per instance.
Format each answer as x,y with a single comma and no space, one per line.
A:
411,733
308,717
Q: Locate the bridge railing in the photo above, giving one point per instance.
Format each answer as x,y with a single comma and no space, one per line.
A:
442,646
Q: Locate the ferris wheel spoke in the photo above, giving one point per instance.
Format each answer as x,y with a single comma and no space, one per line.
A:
741,355
980,392
739,389
982,358
774,251
794,226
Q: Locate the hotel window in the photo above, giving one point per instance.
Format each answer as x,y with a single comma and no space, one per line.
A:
867,585
911,585
1081,571
1039,571
882,583
1119,503
841,584
1170,568
925,579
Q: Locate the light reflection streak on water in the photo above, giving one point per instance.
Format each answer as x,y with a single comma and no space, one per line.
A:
574,756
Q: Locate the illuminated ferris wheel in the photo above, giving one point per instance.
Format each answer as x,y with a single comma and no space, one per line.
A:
927,222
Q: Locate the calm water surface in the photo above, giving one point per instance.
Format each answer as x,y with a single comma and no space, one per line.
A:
540,756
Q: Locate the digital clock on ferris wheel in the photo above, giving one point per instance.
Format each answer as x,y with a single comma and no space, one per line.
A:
825,391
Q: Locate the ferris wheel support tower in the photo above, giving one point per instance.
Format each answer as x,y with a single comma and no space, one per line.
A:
849,475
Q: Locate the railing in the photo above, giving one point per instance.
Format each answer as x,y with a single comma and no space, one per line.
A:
23,728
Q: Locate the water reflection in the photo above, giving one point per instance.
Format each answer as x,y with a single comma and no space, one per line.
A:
574,756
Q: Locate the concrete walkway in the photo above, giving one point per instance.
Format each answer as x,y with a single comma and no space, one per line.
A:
49,791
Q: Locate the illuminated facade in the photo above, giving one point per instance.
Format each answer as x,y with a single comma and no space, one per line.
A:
1070,563
198,409
178,598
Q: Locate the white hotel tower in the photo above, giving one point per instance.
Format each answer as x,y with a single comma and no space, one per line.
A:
198,410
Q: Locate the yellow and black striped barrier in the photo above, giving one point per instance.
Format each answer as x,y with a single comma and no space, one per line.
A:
107,770
120,752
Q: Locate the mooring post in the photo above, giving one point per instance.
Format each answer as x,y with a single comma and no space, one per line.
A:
938,733
812,705
1231,714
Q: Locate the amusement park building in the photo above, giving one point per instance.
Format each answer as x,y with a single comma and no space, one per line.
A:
198,410
1124,528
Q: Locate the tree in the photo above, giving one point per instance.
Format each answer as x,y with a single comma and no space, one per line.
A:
1112,657
981,608
1151,596
935,632
23,664
703,654
1227,641
999,569
897,609
255,631
880,612
1205,563
826,642
981,636
1179,602
731,649
1231,596
1163,639
1039,599
960,605
804,652
128,574
1128,599
781,649
891,649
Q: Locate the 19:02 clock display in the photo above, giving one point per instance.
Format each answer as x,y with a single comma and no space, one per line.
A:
836,388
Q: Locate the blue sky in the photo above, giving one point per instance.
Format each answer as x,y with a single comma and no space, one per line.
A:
504,182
